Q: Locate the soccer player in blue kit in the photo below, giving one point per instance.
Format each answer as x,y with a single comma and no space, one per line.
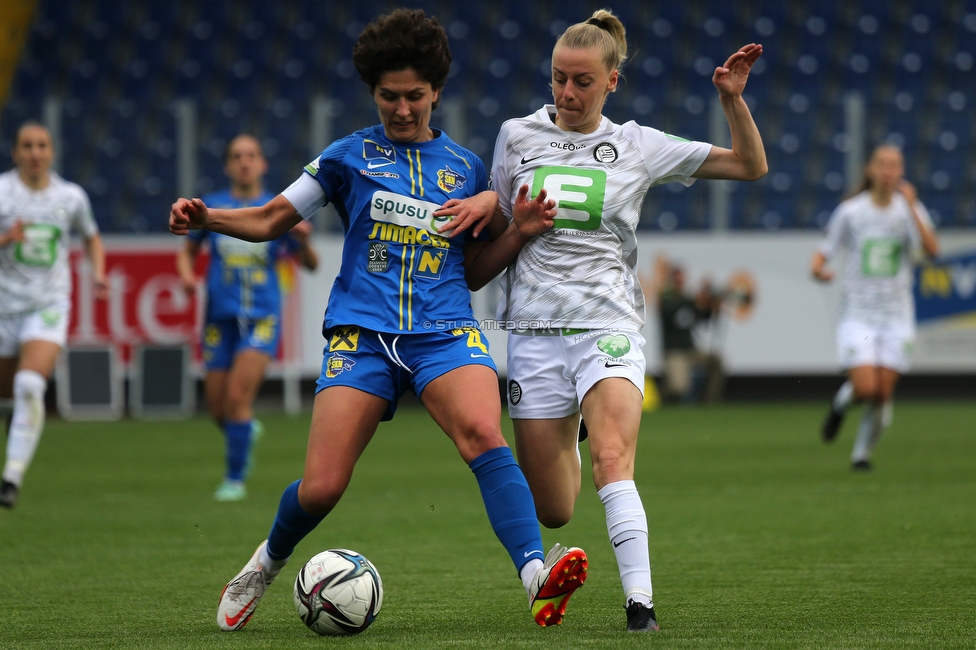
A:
399,314
243,316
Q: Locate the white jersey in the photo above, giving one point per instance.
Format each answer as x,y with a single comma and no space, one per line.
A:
582,273
879,243
34,273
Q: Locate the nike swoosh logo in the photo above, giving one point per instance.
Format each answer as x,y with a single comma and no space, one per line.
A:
528,160
615,544
527,554
615,364
373,165
480,356
232,621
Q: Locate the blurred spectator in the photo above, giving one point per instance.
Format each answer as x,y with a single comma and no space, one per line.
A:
691,373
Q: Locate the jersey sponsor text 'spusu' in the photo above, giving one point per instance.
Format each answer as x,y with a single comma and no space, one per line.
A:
242,278
397,274
583,272
879,242
35,273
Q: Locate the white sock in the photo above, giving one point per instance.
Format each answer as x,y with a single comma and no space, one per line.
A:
527,573
844,396
26,425
627,526
887,413
868,432
270,567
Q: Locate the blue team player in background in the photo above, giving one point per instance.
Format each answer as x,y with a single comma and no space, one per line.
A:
399,315
243,318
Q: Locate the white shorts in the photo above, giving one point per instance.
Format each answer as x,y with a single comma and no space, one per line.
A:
48,324
550,371
886,346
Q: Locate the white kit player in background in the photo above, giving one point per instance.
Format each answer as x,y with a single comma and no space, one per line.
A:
572,294
880,228
38,209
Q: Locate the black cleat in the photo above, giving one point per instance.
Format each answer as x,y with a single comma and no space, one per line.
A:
8,494
861,466
831,425
641,618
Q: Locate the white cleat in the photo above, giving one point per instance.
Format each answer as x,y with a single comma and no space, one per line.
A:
242,594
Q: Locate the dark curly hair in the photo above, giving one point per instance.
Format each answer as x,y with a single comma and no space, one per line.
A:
401,39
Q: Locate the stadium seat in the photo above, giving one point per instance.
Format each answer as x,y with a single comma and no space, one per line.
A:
912,60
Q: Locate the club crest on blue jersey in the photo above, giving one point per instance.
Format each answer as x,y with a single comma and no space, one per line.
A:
450,180
337,364
377,155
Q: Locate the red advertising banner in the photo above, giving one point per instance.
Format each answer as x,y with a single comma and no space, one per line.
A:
146,302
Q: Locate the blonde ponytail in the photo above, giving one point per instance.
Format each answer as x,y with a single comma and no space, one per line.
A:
603,30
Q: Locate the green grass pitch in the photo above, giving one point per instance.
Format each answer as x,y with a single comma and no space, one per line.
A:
760,536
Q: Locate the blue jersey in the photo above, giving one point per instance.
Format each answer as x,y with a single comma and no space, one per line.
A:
397,275
242,279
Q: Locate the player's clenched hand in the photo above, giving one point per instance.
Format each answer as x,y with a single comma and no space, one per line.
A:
187,215
16,233
473,212
533,217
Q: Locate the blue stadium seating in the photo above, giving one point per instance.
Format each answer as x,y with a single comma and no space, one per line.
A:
255,66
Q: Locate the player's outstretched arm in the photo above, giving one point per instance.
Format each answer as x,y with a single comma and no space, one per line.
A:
482,262
185,259
260,223
95,250
306,255
746,160
930,243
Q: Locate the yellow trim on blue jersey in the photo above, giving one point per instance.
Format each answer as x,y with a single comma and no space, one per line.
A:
413,180
413,251
403,269
416,176
463,159
420,172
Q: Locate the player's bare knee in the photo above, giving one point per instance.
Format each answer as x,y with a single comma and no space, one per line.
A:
476,438
320,496
865,391
608,460
554,517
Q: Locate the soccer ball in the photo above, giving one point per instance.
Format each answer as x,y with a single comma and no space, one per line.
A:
338,592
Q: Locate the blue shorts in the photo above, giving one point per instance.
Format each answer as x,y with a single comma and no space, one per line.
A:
223,339
387,365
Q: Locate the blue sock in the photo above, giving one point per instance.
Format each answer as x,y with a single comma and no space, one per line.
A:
509,504
291,524
238,439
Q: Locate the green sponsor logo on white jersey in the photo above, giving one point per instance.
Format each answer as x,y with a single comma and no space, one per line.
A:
880,258
40,245
579,195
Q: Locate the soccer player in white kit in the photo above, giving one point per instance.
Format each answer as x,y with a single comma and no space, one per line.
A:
38,209
879,229
571,300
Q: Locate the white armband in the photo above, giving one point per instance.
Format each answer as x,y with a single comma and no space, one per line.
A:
305,195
